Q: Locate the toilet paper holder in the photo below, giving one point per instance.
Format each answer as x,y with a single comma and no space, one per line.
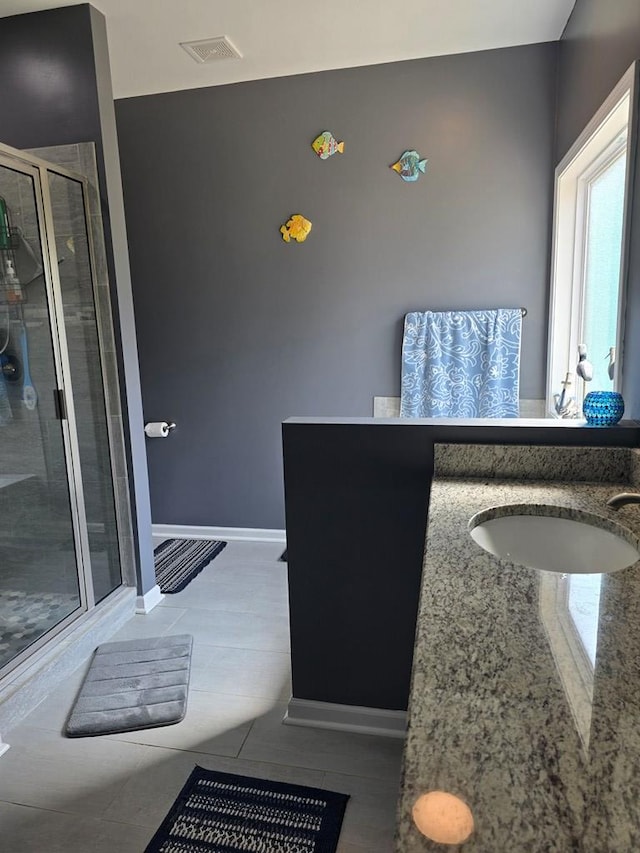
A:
158,429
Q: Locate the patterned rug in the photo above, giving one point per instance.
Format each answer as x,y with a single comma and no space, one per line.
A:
223,813
26,616
178,561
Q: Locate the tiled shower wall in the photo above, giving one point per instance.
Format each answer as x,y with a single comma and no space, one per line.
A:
24,436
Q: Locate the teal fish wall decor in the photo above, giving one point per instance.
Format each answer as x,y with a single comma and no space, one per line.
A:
409,166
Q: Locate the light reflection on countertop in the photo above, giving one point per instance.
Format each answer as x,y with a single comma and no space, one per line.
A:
525,697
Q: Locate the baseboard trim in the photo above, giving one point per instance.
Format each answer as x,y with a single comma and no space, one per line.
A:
229,534
145,603
346,718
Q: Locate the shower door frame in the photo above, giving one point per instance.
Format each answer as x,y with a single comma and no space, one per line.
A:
39,170
46,167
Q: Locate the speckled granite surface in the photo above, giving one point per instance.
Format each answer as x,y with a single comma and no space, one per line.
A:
604,464
507,711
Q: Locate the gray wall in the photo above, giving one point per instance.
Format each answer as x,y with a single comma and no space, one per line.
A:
55,103
600,42
238,331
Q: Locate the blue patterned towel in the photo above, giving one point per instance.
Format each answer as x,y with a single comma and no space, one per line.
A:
461,364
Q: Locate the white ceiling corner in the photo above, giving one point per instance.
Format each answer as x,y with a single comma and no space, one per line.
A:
279,39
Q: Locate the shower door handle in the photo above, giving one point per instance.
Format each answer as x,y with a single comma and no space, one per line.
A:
60,404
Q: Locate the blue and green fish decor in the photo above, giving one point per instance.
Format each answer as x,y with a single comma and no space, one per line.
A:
410,166
326,145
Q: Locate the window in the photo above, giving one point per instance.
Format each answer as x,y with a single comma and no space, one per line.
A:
589,253
570,614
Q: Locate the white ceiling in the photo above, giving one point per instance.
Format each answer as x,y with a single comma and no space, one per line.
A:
280,38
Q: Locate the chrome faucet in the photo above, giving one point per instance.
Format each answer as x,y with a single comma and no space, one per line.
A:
623,499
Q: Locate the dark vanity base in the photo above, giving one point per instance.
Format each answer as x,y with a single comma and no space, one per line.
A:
356,495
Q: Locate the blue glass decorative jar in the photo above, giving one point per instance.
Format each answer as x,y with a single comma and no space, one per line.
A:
603,408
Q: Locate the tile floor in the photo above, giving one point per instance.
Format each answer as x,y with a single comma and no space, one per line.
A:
109,794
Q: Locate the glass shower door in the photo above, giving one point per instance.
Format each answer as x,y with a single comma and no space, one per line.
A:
73,260
40,509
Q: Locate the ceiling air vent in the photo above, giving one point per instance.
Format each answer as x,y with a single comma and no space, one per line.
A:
211,50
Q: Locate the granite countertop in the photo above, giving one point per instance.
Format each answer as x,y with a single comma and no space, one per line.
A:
525,698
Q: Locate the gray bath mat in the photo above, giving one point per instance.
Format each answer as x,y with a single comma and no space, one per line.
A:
134,684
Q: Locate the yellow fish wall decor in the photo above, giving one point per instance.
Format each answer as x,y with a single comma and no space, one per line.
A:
296,228
325,145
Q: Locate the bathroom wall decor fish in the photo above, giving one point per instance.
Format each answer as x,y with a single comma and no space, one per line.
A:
296,228
326,145
409,166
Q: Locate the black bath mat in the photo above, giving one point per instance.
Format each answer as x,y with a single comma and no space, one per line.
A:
178,561
223,812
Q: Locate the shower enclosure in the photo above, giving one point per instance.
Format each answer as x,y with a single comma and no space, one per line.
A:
59,552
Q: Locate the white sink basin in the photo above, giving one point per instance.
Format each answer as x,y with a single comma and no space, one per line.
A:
544,541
